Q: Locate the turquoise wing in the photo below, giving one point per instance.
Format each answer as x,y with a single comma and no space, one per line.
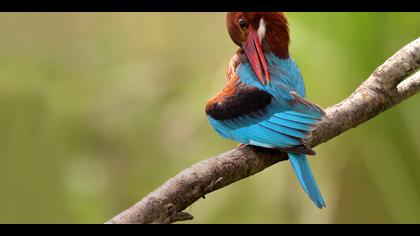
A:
274,123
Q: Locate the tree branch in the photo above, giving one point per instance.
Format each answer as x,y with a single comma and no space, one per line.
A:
386,87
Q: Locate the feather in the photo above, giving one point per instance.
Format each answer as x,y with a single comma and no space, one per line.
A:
284,129
304,174
296,118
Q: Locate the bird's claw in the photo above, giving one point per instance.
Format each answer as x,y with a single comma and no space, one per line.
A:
241,145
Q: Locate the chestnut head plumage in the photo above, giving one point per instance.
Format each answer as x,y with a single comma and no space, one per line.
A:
258,33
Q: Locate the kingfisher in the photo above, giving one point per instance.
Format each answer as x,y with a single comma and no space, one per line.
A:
264,101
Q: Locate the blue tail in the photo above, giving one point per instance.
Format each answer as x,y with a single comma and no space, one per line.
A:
306,179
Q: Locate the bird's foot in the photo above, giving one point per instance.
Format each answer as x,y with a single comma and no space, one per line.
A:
241,145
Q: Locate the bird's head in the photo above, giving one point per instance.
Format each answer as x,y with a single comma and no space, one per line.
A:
258,33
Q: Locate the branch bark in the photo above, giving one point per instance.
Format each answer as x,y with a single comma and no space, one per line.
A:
391,83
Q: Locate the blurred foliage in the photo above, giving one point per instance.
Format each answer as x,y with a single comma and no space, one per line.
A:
98,109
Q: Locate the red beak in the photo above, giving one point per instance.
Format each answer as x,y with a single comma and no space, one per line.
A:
255,55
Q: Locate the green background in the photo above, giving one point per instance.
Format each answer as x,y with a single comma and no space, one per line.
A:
98,109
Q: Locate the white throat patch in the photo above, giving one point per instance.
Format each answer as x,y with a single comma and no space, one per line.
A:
261,29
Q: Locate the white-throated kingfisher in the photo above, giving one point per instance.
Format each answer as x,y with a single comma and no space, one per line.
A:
263,103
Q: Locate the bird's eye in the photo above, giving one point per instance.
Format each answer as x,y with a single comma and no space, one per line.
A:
243,24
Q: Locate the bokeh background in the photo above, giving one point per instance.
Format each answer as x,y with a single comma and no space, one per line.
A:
99,109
